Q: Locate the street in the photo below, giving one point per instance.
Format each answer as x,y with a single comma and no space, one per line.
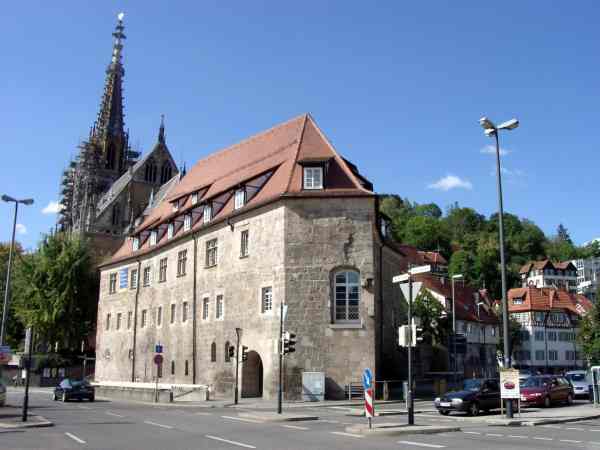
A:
127,425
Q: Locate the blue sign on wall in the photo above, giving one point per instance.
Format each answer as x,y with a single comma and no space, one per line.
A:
158,348
367,378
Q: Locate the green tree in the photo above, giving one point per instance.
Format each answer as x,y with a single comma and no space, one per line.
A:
589,334
432,316
55,290
427,233
463,262
14,329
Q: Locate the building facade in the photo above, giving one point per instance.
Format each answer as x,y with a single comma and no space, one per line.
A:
545,273
549,320
278,219
588,277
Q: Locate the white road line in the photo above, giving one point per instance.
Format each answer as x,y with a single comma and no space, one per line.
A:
552,426
341,433
570,441
75,438
158,424
295,427
240,444
594,443
518,436
543,439
471,432
241,419
113,414
83,407
329,421
494,434
421,444
576,429
594,429
202,413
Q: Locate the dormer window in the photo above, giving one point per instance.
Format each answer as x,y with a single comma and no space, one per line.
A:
207,216
518,301
136,243
187,222
194,198
240,198
176,206
313,178
153,237
170,230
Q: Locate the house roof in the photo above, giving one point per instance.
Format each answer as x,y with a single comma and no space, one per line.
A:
546,299
540,265
416,256
268,165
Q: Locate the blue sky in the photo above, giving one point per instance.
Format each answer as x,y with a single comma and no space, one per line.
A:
397,87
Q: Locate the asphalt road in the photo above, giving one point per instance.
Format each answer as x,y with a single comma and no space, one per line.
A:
134,426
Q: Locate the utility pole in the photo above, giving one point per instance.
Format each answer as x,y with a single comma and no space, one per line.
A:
280,390
28,349
411,411
238,332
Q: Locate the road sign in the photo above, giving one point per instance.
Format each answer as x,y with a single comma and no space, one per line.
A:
509,384
414,271
158,359
367,378
5,354
369,410
158,348
416,287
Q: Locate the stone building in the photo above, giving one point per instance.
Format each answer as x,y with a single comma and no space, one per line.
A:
279,218
105,187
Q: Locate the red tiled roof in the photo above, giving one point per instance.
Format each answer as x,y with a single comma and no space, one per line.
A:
278,152
539,265
546,299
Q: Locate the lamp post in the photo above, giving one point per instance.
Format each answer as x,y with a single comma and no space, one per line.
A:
238,332
490,129
8,199
454,277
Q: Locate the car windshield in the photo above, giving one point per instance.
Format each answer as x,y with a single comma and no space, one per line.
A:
472,385
576,377
533,382
79,383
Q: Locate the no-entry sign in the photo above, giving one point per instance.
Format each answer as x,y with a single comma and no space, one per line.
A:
158,359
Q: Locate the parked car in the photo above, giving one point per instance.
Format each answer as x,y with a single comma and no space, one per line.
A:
477,395
524,374
74,389
2,394
580,382
546,390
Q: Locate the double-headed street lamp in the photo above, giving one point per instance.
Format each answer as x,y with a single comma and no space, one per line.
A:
491,129
8,199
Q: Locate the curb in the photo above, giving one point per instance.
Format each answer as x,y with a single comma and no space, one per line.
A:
41,422
277,417
361,413
402,430
535,423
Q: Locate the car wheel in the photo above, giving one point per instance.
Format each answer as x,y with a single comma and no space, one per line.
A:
570,399
444,413
54,397
92,399
547,402
64,397
474,409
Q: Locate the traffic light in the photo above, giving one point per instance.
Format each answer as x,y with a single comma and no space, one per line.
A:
244,353
289,342
231,351
404,336
417,335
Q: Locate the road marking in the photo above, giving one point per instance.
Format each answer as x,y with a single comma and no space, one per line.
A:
570,441
552,426
494,435
241,419
329,421
240,444
594,429
517,436
594,443
421,444
113,414
75,438
341,433
158,424
83,407
471,432
202,413
543,439
576,429
295,427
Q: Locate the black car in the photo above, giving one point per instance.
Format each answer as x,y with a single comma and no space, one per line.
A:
74,389
477,395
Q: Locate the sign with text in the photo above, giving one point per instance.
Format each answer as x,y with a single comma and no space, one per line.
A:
509,383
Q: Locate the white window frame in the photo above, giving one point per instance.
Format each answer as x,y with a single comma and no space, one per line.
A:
135,245
133,279
187,222
184,311
194,198
244,243
173,312
205,308
266,299
170,230
159,314
176,205
112,282
144,320
240,198
118,324
207,214
219,307
312,177
153,237
147,281
348,286
211,261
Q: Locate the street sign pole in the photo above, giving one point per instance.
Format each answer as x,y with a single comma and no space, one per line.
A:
280,390
411,414
238,332
28,349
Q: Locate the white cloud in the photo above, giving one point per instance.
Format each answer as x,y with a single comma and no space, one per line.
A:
491,150
508,173
52,208
21,229
450,182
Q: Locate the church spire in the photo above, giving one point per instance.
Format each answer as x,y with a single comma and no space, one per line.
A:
161,130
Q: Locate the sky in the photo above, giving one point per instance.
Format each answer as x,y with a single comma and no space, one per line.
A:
398,88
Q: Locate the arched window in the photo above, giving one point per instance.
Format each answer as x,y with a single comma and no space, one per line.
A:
227,357
347,296
213,352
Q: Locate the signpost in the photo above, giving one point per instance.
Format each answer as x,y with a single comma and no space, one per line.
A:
510,387
367,380
158,360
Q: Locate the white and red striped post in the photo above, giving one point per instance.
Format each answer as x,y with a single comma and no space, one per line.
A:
369,409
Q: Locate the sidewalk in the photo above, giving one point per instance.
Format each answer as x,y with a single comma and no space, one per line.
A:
11,417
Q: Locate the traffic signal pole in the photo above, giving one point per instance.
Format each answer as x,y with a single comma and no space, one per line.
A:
238,332
280,390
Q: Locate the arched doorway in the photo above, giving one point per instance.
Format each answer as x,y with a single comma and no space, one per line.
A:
252,376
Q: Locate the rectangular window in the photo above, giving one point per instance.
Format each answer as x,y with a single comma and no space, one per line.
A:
118,321
517,301
135,244
240,198
540,355
551,335
207,215
159,316
211,253
313,178
187,222
153,237
347,297
129,319
187,368
525,335
173,311
539,335
244,243
162,270
552,355
134,279
184,312
219,307
108,322
112,283
144,317
123,278
176,206
194,198
205,308
266,299
181,262
147,275
170,230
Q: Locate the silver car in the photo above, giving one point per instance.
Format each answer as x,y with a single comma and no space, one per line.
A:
581,385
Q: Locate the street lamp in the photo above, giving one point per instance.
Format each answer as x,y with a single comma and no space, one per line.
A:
454,277
492,130
8,199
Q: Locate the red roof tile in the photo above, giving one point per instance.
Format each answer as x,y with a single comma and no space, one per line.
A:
546,299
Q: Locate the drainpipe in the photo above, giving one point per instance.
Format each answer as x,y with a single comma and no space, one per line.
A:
135,313
194,307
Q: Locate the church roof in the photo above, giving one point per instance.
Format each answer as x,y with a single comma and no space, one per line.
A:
268,166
